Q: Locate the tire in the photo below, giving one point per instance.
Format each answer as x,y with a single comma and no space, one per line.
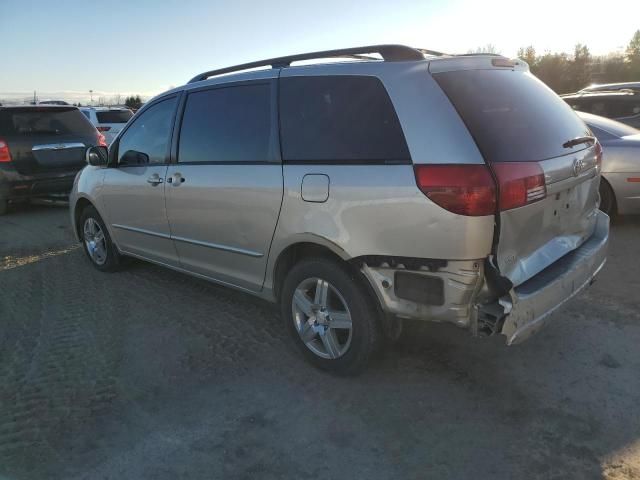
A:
111,260
341,350
607,198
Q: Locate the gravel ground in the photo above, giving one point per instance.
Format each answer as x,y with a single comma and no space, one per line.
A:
152,374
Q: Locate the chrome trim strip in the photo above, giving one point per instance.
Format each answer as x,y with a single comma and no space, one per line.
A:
217,246
57,146
141,230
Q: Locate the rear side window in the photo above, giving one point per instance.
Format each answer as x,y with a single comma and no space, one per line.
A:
512,116
114,116
44,121
229,124
339,119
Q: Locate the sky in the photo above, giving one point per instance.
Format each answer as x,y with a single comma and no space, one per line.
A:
64,48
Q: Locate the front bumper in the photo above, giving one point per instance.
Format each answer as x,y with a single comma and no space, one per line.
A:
529,305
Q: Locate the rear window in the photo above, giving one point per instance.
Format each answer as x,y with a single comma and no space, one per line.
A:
44,121
339,119
114,116
512,116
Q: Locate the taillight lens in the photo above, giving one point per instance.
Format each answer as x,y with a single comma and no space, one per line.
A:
103,129
101,140
462,189
5,154
598,156
520,183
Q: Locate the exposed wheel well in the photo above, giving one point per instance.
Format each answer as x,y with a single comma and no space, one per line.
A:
292,255
614,201
81,204
296,252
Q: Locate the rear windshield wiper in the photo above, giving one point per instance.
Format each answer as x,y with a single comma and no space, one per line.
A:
578,140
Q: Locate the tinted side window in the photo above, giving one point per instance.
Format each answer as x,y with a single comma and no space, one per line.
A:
229,124
339,119
625,106
147,140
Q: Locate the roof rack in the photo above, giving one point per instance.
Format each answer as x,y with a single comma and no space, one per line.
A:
389,53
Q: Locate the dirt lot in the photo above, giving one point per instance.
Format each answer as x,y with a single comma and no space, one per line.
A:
147,373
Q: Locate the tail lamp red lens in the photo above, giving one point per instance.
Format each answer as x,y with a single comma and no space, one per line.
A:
103,129
471,190
101,140
462,189
598,156
5,154
520,183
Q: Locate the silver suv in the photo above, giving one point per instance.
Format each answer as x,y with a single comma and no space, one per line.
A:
400,184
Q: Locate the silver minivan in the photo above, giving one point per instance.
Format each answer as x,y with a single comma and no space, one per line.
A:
392,184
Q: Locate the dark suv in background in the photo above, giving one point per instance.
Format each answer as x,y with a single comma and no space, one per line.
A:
41,150
622,105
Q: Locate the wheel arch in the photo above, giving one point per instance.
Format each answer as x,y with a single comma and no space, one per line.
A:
79,206
604,181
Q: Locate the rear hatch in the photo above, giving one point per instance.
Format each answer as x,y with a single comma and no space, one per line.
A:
46,139
111,122
544,165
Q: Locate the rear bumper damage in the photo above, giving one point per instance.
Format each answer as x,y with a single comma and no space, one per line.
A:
528,306
452,291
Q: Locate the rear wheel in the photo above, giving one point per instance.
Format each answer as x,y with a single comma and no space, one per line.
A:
607,198
97,243
330,316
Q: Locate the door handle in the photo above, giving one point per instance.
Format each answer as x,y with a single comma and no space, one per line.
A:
176,179
154,179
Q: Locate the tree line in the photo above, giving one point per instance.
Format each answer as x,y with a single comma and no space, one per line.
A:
566,73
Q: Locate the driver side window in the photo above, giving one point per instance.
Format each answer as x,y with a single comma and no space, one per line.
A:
147,140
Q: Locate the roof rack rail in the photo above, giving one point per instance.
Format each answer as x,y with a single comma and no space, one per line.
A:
389,53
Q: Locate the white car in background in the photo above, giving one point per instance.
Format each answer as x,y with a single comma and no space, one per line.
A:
108,120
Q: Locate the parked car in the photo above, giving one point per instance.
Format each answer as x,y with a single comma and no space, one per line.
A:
611,87
621,105
356,194
53,102
620,184
42,148
108,120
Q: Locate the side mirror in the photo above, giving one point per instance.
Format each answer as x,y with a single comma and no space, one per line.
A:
97,156
133,157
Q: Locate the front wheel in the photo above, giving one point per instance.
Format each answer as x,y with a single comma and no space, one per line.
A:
330,316
97,243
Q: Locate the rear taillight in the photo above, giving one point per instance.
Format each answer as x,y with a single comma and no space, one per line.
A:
520,183
5,154
101,140
103,129
598,156
462,189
